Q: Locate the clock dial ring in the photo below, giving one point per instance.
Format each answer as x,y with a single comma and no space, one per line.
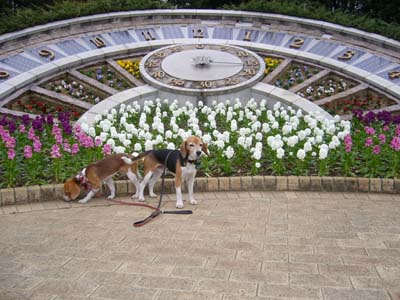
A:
201,68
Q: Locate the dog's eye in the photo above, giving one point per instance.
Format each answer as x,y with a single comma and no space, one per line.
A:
191,145
201,145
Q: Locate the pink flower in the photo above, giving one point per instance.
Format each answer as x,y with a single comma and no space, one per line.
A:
348,143
395,143
106,149
55,151
11,153
67,147
376,149
382,138
385,128
368,142
37,145
22,128
97,142
74,149
28,151
31,133
10,142
369,130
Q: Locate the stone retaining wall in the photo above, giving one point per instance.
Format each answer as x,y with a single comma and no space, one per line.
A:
31,194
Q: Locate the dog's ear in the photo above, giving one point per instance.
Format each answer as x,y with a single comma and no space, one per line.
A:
205,149
183,149
72,189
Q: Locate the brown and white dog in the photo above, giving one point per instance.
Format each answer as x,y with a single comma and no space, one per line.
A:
181,162
101,171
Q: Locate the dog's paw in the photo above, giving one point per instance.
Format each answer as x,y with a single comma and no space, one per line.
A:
141,199
110,197
193,202
153,195
135,196
179,205
83,201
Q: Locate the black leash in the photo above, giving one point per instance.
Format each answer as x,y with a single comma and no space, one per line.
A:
157,211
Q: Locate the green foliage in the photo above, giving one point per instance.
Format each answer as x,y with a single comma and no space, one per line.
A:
18,19
17,15
314,10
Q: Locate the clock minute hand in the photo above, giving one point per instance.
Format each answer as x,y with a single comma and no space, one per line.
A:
226,62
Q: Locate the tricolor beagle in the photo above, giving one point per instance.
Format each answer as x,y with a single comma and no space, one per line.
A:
181,162
93,176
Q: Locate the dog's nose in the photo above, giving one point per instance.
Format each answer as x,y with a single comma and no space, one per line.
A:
198,153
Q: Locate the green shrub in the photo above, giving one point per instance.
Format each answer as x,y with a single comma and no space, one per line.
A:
315,11
28,17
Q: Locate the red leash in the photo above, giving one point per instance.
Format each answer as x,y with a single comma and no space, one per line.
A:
154,214
157,211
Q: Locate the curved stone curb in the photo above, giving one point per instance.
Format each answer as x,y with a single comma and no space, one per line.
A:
32,194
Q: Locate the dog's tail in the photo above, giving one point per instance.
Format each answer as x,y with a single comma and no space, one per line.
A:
130,159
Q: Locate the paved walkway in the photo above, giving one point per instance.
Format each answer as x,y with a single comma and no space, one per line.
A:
236,246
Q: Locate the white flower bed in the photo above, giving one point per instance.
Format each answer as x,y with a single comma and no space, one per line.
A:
243,138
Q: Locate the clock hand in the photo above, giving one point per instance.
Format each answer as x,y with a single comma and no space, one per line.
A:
226,62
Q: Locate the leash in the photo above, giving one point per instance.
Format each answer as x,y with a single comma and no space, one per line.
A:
157,211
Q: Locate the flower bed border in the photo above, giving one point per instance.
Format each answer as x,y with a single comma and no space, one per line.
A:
33,194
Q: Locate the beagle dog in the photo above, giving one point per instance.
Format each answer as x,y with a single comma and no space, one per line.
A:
181,162
93,176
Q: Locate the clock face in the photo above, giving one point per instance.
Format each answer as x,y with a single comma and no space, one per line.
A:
202,68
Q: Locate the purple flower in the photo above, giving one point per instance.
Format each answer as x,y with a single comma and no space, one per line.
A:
369,117
12,126
384,116
26,120
37,124
358,113
49,119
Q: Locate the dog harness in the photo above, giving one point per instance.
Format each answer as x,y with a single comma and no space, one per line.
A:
172,155
82,179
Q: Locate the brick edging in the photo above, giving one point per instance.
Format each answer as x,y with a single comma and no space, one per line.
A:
31,194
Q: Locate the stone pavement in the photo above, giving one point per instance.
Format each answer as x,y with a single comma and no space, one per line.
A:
236,246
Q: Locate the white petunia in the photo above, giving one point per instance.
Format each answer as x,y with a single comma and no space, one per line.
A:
301,154
171,146
119,149
229,152
138,147
280,153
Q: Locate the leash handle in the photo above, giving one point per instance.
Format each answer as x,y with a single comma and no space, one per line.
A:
177,212
153,215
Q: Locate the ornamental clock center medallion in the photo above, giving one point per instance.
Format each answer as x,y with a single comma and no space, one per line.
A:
206,69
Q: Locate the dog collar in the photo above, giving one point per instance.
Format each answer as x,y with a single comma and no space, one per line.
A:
194,162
